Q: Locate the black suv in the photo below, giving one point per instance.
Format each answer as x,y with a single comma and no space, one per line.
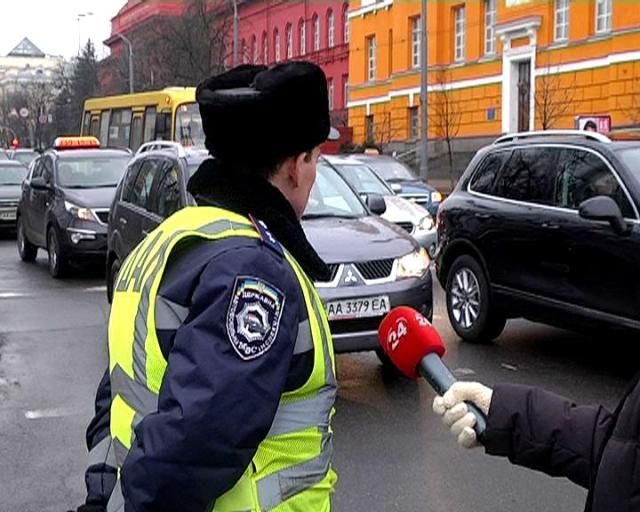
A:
65,202
543,225
154,187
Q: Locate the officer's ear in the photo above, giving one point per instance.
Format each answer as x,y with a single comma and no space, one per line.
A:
297,165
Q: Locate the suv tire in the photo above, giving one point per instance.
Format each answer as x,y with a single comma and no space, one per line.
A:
112,276
26,250
57,259
469,307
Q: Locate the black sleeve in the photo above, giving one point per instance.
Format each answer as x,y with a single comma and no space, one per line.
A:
100,476
215,406
545,432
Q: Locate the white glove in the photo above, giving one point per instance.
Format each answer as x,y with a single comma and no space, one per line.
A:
455,413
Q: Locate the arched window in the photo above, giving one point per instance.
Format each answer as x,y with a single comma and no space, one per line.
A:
331,29
316,33
345,19
289,36
265,48
302,36
244,55
276,45
254,50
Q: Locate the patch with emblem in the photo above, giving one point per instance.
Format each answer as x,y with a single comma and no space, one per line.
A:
254,316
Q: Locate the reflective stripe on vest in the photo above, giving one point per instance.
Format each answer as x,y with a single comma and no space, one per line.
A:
291,468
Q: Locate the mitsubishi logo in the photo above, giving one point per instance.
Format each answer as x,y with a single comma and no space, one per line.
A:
351,277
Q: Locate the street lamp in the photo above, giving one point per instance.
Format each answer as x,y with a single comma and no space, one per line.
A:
130,46
79,17
235,32
424,84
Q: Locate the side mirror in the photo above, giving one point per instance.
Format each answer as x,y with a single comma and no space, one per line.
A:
603,208
39,183
396,187
376,204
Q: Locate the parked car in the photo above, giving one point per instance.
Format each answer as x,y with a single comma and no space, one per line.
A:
12,174
24,156
403,180
64,205
3,155
543,225
374,264
411,217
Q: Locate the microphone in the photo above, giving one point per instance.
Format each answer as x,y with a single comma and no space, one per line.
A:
415,348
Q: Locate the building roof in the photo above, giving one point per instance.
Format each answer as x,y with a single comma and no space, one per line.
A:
26,49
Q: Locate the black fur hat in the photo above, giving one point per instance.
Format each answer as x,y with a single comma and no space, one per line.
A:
254,116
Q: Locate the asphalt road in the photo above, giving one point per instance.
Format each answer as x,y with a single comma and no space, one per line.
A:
392,454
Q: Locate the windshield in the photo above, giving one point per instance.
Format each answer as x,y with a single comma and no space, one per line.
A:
631,158
91,172
25,158
363,179
332,197
391,170
12,174
189,130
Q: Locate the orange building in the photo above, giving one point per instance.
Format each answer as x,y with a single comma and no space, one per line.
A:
495,66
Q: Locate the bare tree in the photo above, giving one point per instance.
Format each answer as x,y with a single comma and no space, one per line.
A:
553,98
445,114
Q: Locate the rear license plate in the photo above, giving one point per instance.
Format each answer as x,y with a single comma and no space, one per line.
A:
8,215
358,308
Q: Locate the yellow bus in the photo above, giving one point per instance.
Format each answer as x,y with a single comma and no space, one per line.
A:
129,120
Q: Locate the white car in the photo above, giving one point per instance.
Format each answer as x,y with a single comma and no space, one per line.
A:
410,216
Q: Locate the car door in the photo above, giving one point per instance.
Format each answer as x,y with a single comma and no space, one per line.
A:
41,200
166,195
28,197
604,267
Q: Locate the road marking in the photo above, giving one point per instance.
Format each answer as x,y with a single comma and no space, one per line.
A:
38,414
22,295
11,295
102,288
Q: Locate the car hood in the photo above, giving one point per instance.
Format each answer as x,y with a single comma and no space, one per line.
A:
353,240
10,191
90,197
414,187
400,209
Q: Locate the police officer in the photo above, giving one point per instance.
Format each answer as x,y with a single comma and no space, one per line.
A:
221,378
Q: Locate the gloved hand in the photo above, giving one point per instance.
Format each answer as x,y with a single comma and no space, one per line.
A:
455,413
90,508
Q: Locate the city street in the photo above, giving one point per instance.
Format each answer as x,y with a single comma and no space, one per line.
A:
391,452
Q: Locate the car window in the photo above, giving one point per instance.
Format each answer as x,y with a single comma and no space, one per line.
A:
38,167
129,182
12,174
484,179
166,195
391,170
47,171
332,197
363,179
91,171
583,175
141,191
529,175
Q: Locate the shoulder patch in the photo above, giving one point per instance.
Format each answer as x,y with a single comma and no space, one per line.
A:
265,235
254,315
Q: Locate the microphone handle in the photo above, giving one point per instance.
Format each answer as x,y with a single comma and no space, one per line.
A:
441,379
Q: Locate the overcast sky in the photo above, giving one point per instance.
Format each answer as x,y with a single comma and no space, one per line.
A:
53,25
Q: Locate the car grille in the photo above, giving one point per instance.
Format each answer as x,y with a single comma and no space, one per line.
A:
376,269
333,269
354,325
419,198
103,216
8,203
407,226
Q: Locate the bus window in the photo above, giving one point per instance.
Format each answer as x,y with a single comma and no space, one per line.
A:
149,124
189,130
85,123
163,126
120,128
104,127
136,132
95,126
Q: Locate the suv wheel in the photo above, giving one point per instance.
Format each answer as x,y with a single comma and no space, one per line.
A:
57,261
112,277
26,249
471,313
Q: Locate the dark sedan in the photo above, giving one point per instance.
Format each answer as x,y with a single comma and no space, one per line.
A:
12,174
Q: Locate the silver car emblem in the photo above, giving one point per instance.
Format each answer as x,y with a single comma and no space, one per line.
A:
351,278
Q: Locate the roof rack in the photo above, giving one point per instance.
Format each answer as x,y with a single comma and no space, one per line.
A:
594,136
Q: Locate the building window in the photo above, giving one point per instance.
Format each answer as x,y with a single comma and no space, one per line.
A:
276,45
371,58
414,123
331,29
489,27
603,16
302,29
254,50
369,128
245,53
345,90
345,13
330,91
316,33
561,19
415,41
265,48
289,41
458,44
